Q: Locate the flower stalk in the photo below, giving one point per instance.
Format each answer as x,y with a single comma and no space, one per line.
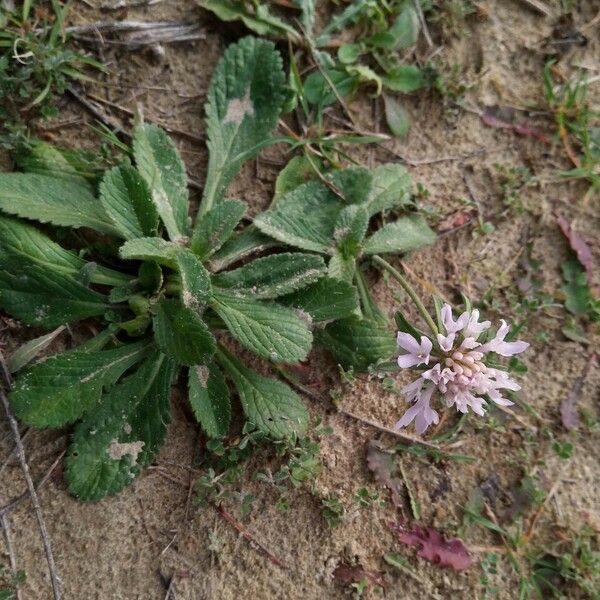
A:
409,290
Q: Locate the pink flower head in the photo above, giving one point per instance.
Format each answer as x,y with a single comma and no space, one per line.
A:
416,353
458,372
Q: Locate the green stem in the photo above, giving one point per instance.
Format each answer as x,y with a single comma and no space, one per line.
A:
408,289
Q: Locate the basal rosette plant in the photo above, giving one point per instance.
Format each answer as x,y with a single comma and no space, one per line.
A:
165,290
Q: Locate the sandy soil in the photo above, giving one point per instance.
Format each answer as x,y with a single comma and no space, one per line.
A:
130,547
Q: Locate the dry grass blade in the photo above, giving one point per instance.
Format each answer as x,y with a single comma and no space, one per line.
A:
35,501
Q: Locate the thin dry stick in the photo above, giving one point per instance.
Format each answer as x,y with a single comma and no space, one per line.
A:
35,501
7,508
5,523
423,22
539,7
247,536
13,453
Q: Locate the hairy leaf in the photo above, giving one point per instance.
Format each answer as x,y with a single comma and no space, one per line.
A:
325,300
209,397
28,351
114,442
304,217
240,246
269,404
151,248
160,165
245,98
216,226
341,267
65,386
128,202
53,200
23,245
181,334
267,329
41,297
298,170
407,233
350,230
44,159
357,342
195,281
434,547
390,188
272,276
353,184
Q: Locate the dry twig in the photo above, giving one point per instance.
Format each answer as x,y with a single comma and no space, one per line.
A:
12,561
35,501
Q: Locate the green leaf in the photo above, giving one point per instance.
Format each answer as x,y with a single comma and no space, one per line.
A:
405,79
245,97
357,342
195,281
27,352
270,405
407,233
240,246
390,189
53,200
116,441
272,276
325,300
45,159
151,248
65,386
41,297
181,334
260,20
274,332
160,165
341,267
350,230
127,201
298,170
349,53
304,217
318,91
396,116
366,75
209,397
22,244
215,227
354,184
403,33
308,16
575,288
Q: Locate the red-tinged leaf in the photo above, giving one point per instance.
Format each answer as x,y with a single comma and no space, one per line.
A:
504,118
434,547
578,245
348,574
386,471
568,407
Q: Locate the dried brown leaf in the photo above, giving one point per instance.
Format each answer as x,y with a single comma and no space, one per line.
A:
578,245
434,547
386,471
348,574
